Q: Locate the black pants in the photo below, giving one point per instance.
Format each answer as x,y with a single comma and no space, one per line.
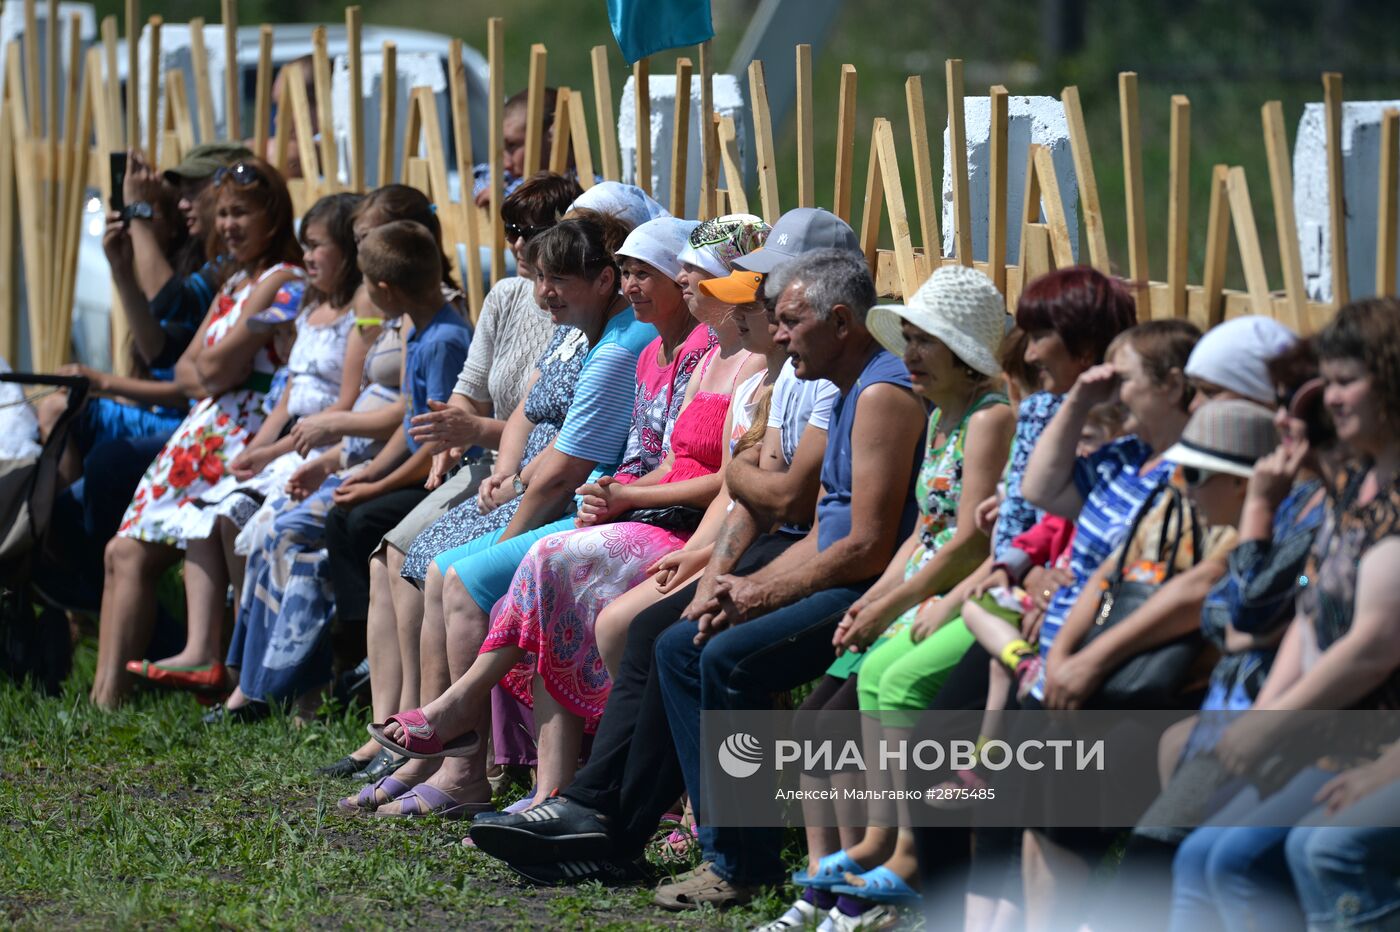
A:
634,775
352,534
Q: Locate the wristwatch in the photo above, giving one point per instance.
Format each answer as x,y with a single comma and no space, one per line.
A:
141,210
517,484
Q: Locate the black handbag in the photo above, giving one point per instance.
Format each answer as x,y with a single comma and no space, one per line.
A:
1154,678
677,518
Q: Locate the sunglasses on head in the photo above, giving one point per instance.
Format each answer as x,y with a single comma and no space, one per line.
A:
516,231
241,174
1194,476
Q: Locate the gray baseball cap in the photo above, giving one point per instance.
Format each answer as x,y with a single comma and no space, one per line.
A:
796,232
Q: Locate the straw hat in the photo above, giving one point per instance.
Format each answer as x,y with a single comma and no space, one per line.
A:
959,306
1226,436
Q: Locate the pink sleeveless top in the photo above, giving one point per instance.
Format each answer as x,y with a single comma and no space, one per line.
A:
698,437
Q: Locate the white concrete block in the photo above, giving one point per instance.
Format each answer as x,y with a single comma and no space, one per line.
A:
1039,120
414,69
728,101
1361,134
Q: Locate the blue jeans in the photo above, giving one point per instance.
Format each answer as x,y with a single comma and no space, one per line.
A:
741,668
1346,867
1231,874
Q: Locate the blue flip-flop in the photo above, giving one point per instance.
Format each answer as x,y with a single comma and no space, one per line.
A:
880,885
831,869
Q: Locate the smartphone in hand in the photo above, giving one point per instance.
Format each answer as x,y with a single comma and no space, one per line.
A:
118,169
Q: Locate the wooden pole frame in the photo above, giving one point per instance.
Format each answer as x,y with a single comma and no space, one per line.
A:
1130,118
534,109
733,168
765,152
603,108
1336,188
709,137
354,59
325,112
262,102
1285,223
1388,212
806,168
1247,235
1094,234
233,121
641,103
1217,249
388,110
845,144
999,163
462,142
929,198
1179,205
957,139
874,201
680,137
203,94
496,40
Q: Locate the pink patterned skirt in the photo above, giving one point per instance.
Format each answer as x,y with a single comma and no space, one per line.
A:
562,584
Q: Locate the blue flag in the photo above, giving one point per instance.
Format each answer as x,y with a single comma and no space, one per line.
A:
644,27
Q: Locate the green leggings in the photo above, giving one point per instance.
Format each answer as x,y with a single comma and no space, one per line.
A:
901,675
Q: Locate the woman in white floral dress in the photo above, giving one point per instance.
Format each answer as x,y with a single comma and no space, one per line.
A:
228,367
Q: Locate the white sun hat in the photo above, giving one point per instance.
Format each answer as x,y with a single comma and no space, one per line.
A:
958,305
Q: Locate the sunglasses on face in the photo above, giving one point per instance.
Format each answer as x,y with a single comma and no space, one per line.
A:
241,174
1194,476
516,231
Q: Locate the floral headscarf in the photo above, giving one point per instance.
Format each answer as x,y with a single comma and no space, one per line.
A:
715,244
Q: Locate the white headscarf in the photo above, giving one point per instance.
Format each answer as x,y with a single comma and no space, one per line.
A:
658,243
1235,355
626,202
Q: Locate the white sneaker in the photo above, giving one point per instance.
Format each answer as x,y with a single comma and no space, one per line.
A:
800,915
876,917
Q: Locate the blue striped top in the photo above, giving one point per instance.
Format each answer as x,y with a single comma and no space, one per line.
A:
1114,491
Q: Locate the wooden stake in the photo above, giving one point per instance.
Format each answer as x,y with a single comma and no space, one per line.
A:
534,125
31,87
1035,253
957,138
733,167
766,155
603,109
806,167
199,66
282,144
431,127
262,103
874,202
462,142
325,111
997,195
112,85
66,183
1285,224
925,184
1217,249
412,137
294,80
177,109
133,70
51,31
845,144
1056,219
1131,120
641,101
1030,204
388,111
153,93
1388,212
1088,184
709,138
28,184
355,72
1179,207
80,130
1336,188
680,139
894,200
496,39
1247,234
233,118
559,150
583,152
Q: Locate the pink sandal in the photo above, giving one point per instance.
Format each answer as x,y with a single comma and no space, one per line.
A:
420,740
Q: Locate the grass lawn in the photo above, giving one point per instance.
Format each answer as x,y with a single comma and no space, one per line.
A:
147,818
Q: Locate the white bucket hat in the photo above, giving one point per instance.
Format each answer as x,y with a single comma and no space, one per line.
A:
958,305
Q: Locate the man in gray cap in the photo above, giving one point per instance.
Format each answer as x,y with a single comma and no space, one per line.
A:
799,231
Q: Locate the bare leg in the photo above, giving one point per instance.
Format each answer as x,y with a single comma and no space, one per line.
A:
1055,880
237,565
463,705
206,592
610,628
408,604
128,612
559,737
434,672
386,672
903,860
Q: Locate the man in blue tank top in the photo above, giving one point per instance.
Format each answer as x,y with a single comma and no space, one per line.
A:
769,626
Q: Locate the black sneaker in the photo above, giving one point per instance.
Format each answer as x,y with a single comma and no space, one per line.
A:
554,831
606,871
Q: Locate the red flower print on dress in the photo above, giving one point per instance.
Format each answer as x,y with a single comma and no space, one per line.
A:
157,491
221,420
211,468
182,470
212,443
